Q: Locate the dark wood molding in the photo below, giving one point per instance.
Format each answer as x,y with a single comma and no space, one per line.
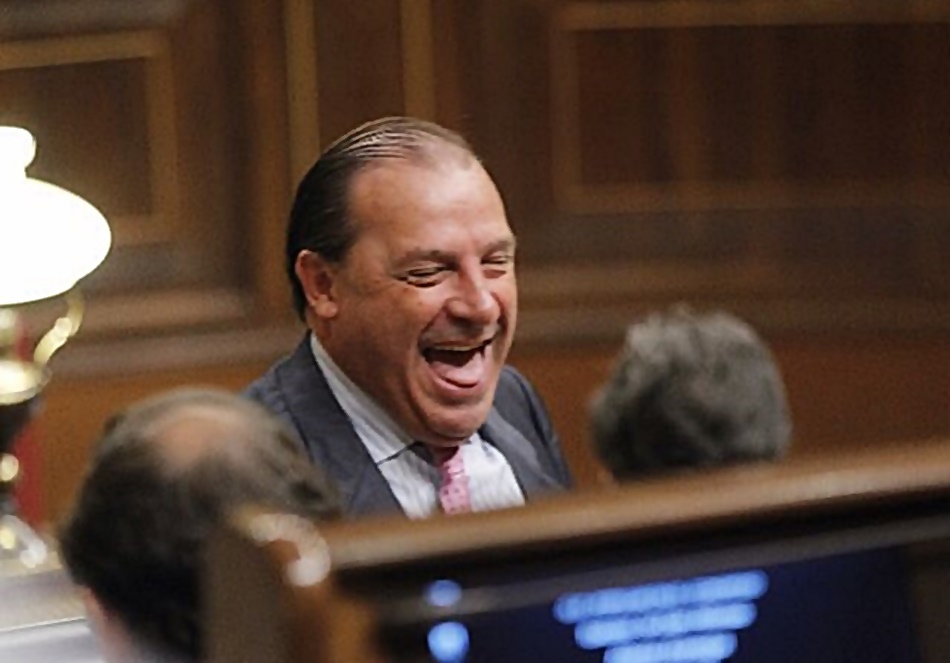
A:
218,327
167,353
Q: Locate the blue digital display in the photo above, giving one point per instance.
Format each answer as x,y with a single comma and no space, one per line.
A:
851,607
687,620
448,642
443,593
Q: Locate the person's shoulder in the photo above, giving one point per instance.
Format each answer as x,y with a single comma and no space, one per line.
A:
266,382
512,383
516,397
267,388
520,404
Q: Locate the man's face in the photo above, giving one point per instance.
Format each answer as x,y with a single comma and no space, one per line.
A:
424,305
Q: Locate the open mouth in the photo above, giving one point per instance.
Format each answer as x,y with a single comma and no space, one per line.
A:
461,365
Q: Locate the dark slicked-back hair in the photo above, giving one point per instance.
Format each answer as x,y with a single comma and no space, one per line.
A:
319,219
690,390
164,474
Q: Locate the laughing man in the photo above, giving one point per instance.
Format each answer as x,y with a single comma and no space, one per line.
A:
402,265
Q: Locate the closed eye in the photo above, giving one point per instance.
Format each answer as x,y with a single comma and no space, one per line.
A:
498,264
424,277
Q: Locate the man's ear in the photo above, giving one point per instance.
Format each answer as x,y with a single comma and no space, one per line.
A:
316,277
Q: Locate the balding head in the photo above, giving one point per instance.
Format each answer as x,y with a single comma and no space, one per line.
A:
188,427
164,474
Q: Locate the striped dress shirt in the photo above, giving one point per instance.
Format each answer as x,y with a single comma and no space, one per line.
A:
407,466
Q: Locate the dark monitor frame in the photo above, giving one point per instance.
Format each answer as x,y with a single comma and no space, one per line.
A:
361,582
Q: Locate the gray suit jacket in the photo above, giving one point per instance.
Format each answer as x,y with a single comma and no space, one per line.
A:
517,425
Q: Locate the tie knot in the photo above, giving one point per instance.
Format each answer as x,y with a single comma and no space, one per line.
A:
442,455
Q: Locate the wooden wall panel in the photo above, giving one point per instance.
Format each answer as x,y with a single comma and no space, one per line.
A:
144,110
857,392
784,160
843,393
766,140
106,128
74,411
639,140
355,88
841,98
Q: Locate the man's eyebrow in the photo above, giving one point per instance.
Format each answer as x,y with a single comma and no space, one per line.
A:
506,245
435,255
424,255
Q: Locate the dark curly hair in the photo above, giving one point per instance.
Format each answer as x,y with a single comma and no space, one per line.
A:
165,472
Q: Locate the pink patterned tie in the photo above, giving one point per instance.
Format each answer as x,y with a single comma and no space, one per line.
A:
453,492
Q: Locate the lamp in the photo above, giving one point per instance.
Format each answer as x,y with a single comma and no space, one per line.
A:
49,240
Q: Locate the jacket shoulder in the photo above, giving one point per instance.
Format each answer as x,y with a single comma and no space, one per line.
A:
518,402
266,389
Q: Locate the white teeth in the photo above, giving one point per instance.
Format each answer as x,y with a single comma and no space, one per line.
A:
458,348
450,347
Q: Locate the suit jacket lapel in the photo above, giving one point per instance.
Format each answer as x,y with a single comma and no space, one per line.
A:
330,438
534,478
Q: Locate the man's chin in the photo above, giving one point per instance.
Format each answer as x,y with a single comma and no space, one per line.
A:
456,427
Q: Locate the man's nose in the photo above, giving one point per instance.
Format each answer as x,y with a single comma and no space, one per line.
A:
474,301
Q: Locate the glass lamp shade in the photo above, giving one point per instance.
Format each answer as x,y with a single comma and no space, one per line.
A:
49,238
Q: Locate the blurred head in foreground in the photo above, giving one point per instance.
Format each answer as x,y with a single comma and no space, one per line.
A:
165,473
690,390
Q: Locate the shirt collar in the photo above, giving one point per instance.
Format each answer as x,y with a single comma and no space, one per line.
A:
383,437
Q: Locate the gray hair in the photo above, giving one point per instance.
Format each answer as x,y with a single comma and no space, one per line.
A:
690,390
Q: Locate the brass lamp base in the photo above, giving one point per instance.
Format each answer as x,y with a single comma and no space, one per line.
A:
21,382
41,616
21,548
